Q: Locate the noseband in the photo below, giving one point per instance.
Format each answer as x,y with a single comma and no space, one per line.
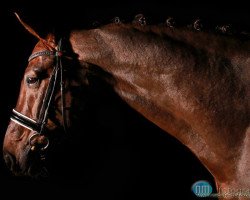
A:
39,126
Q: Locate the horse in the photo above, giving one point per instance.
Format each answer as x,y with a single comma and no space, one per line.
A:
192,84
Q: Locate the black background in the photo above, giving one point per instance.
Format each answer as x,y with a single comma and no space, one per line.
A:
125,156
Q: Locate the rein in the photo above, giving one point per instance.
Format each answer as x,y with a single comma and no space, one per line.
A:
39,125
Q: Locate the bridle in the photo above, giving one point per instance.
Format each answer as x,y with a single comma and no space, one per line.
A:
39,125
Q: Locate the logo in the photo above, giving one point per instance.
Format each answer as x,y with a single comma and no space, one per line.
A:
202,188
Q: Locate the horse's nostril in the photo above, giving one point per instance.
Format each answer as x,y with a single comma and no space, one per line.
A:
9,160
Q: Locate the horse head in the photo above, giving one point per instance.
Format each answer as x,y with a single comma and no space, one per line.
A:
43,107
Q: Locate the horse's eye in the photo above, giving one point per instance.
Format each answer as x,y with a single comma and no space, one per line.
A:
31,80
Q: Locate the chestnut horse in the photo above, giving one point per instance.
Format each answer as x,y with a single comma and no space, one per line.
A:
194,85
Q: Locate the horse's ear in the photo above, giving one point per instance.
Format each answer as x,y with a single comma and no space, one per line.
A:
33,32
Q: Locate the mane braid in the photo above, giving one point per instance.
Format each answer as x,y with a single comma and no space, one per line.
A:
139,22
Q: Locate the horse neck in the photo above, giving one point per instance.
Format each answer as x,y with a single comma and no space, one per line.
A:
172,83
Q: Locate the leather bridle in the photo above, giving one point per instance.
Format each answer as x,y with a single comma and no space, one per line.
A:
39,125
